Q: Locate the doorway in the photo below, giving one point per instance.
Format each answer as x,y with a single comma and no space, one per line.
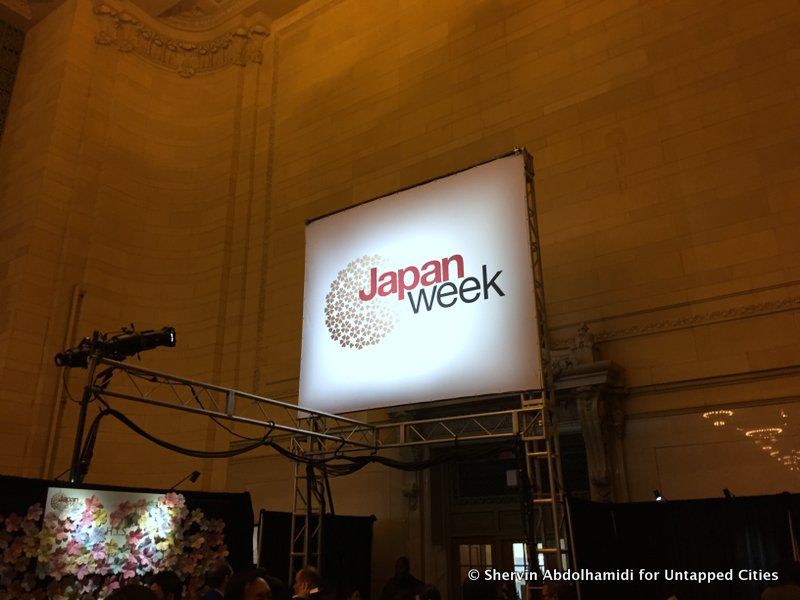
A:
487,552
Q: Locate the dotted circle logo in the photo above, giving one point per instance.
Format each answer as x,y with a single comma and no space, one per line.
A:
352,322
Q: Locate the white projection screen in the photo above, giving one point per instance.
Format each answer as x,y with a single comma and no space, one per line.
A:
422,295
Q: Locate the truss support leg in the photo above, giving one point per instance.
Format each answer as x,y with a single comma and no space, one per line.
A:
549,533
308,510
78,470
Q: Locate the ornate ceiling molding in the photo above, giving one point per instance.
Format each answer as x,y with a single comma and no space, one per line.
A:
717,316
198,20
125,31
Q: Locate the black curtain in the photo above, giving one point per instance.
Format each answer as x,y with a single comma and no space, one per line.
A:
686,535
235,510
346,549
275,530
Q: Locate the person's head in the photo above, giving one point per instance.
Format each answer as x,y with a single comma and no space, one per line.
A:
166,585
351,592
306,580
429,592
558,590
403,595
402,566
789,573
218,576
133,592
250,585
278,589
479,590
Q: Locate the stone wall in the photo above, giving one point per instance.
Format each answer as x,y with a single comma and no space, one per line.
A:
130,194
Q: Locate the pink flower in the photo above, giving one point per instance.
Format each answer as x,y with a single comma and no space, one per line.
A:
98,552
127,573
13,521
135,536
34,512
73,547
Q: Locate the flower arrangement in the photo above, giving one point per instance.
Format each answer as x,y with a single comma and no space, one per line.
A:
85,552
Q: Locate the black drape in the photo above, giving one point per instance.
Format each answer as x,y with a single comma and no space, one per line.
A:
347,551
346,548
235,510
684,535
275,530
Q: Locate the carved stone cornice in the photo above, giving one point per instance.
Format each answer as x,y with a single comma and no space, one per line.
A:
126,32
200,21
716,316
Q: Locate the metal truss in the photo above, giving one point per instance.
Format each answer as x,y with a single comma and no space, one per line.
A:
137,384
308,502
306,433
549,527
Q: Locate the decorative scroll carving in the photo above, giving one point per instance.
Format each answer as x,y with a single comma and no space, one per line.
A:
602,421
716,316
190,16
125,32
590,412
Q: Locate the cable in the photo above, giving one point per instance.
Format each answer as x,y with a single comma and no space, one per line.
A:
225,427
328,491
196,397
336,465
66,385
174,447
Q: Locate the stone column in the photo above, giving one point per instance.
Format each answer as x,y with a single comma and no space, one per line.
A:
590,392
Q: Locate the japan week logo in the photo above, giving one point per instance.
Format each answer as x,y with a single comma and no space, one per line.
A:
361,307
351,322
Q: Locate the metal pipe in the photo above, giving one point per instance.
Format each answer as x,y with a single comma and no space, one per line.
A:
59,400
220,415
218,388
76,470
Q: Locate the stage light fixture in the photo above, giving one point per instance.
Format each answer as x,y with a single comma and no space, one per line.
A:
117,347
659,497
193,476
728,494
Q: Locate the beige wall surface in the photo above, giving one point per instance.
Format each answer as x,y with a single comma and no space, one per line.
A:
665,137
138,187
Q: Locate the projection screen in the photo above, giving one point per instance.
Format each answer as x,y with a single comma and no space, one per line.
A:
422,295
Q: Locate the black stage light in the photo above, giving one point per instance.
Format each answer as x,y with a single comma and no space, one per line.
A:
728,494
193,476
75,357
659,497
116,347
128,344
